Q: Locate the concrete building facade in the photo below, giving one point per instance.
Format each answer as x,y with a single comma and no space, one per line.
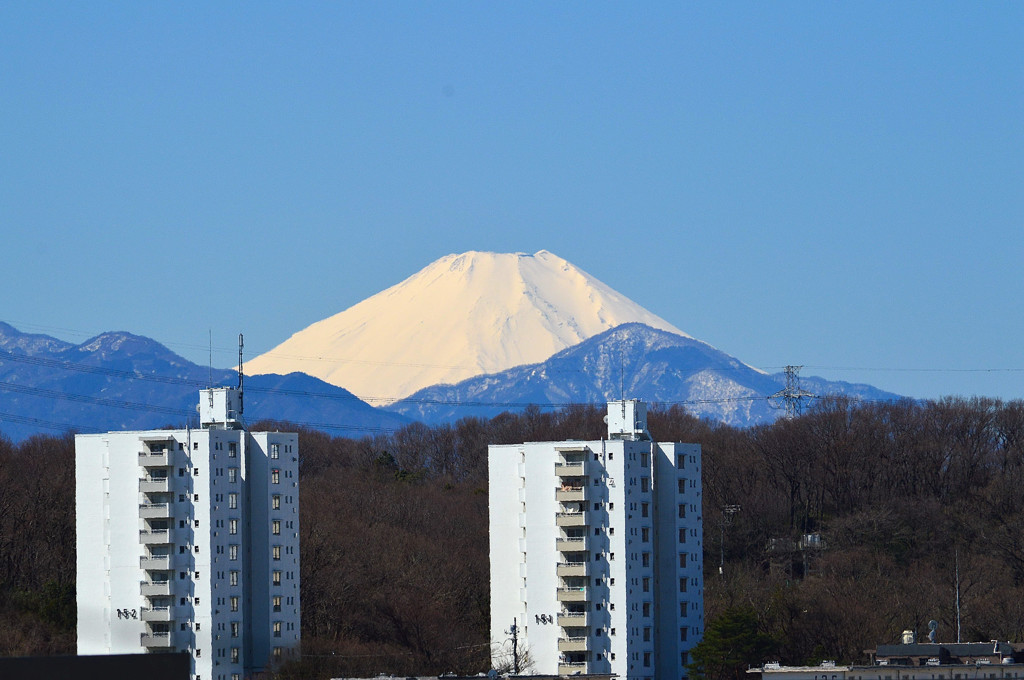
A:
596,551
188,541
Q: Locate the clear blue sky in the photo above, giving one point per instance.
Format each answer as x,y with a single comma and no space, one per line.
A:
839,185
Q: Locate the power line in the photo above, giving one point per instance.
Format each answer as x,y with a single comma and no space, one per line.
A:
87,399
39,422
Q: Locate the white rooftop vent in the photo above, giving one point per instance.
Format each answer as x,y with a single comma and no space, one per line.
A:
220,406
627,419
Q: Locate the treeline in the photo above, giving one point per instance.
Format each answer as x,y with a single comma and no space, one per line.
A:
853,523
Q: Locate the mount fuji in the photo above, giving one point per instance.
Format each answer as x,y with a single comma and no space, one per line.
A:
462,316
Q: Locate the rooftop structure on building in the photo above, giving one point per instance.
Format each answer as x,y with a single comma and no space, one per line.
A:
911,660
188,541
596,553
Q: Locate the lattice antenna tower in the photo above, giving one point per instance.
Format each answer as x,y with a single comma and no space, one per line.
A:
792,396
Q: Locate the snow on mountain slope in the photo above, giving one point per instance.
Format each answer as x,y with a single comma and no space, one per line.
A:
634,361
462,316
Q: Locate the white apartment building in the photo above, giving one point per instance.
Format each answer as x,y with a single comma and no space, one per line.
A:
595,551
188,540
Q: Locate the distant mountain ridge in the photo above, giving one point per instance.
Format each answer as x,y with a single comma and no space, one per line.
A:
631,360
121,381
463,315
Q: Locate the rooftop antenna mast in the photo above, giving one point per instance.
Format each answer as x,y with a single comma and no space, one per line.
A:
791,396
209,383
622,377
241,344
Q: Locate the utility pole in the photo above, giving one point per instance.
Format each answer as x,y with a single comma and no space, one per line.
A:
791,396
514,631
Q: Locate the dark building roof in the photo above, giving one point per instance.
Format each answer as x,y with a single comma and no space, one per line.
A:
105,667
948,652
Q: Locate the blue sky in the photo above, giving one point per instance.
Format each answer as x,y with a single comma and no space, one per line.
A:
839,185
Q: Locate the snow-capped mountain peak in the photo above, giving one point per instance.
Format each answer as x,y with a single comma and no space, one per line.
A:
463,315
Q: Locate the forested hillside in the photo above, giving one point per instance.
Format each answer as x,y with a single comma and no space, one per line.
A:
394,532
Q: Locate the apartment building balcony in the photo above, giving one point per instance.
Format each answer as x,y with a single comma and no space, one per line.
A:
155,511
576,518
573,619
574,468
163,640
575,544
571,569
572,644
156,536
572,594
156,588
159,562
157,614
573,668
155,484
155,458
569,493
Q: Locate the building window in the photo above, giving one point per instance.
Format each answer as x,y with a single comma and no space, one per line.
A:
276,552
684,606
234,657
276,527
277,653
195,471
647,608
277,603
232,552
645,460
647,658
682,511
275,502
232,501
645,484
647,634
232,474
680,461
277,629
232,449
682,535
645,509
645,534
234,603
275,450
682,560
682,634
276,578
233,577
645,559
647,584
275,476
232,526
682,486
235,629
682,585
